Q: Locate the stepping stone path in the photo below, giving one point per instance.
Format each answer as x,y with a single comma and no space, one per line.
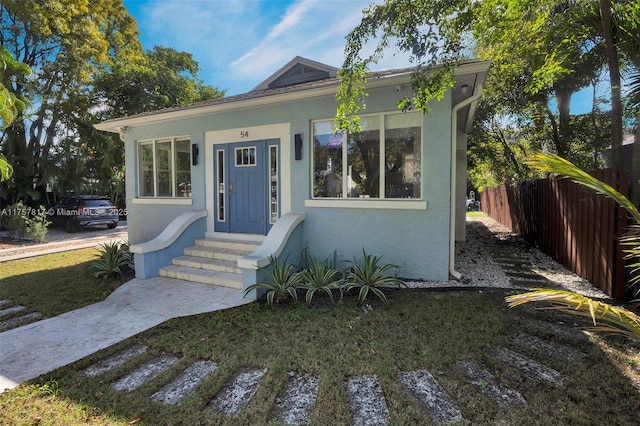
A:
555,349
145,373
531,368
114,361
432,399
488,384
296,404
366,401
237,393
186,382
365,396
14,321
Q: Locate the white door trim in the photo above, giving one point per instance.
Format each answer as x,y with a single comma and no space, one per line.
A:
280,131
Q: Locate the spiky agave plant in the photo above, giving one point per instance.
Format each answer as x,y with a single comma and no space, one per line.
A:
283,282
607,319
113,260
371,277
321,277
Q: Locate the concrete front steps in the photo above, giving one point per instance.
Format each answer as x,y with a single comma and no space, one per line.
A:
213,261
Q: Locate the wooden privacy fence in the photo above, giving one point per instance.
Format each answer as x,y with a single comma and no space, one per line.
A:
575,226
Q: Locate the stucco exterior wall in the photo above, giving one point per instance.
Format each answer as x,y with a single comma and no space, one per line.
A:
416,240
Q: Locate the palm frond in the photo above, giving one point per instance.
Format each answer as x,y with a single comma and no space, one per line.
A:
616,320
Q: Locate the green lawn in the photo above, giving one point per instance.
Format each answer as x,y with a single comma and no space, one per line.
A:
421,329
55,283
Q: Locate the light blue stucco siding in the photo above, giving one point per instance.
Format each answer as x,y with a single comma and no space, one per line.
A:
415,240
146,221
147,265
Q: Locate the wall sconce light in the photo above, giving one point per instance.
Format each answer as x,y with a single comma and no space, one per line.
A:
194,154
298,146
464,89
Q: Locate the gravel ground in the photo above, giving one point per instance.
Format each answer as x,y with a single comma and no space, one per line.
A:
486,239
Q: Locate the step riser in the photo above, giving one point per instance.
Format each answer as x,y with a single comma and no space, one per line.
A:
207,266
202,279
208,254
211,262
234,245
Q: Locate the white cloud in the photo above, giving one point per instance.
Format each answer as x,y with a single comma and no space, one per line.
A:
239,43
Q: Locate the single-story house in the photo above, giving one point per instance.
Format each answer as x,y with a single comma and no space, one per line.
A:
216,188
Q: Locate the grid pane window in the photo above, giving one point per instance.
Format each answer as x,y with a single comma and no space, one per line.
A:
364,160
327,160
183,168
164,168
402,156
384,160
145,158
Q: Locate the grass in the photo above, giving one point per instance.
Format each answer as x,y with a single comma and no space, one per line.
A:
476,214
419,329
55,283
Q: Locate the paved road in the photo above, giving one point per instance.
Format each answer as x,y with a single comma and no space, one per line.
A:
59,240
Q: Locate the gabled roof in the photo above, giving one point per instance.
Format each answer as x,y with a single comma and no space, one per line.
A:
468,73
296,71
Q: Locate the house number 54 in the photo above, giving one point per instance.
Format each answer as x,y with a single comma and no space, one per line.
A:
244,134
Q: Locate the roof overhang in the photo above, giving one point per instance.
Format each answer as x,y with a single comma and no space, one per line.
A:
469,73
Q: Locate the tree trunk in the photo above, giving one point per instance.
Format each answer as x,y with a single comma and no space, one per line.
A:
563,101
614,78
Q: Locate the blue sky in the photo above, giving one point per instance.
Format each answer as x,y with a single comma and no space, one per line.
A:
239,43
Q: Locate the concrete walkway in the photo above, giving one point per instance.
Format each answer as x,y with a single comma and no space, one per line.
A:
37,348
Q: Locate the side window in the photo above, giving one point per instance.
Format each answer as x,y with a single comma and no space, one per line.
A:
383,161
164,168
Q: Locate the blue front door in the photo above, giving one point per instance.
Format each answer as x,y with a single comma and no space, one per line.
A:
246,187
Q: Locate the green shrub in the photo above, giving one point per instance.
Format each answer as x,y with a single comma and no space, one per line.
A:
37,225
21,221
283,282
370,277
14,220
322,277
114,260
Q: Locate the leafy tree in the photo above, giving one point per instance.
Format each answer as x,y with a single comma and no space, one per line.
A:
541,50
63,42
10,104
159,78
88,66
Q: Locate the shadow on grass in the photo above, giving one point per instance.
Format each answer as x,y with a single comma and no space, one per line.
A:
54,284
429,330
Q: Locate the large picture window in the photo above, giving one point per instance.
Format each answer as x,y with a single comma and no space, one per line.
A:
164,168
352,166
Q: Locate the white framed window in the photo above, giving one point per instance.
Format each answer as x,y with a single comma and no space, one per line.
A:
274,184
221,184
164,168
245,156
383,161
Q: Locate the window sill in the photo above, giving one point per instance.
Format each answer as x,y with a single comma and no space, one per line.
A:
165,201
367,204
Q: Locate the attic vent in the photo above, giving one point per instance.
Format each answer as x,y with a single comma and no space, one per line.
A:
297,75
